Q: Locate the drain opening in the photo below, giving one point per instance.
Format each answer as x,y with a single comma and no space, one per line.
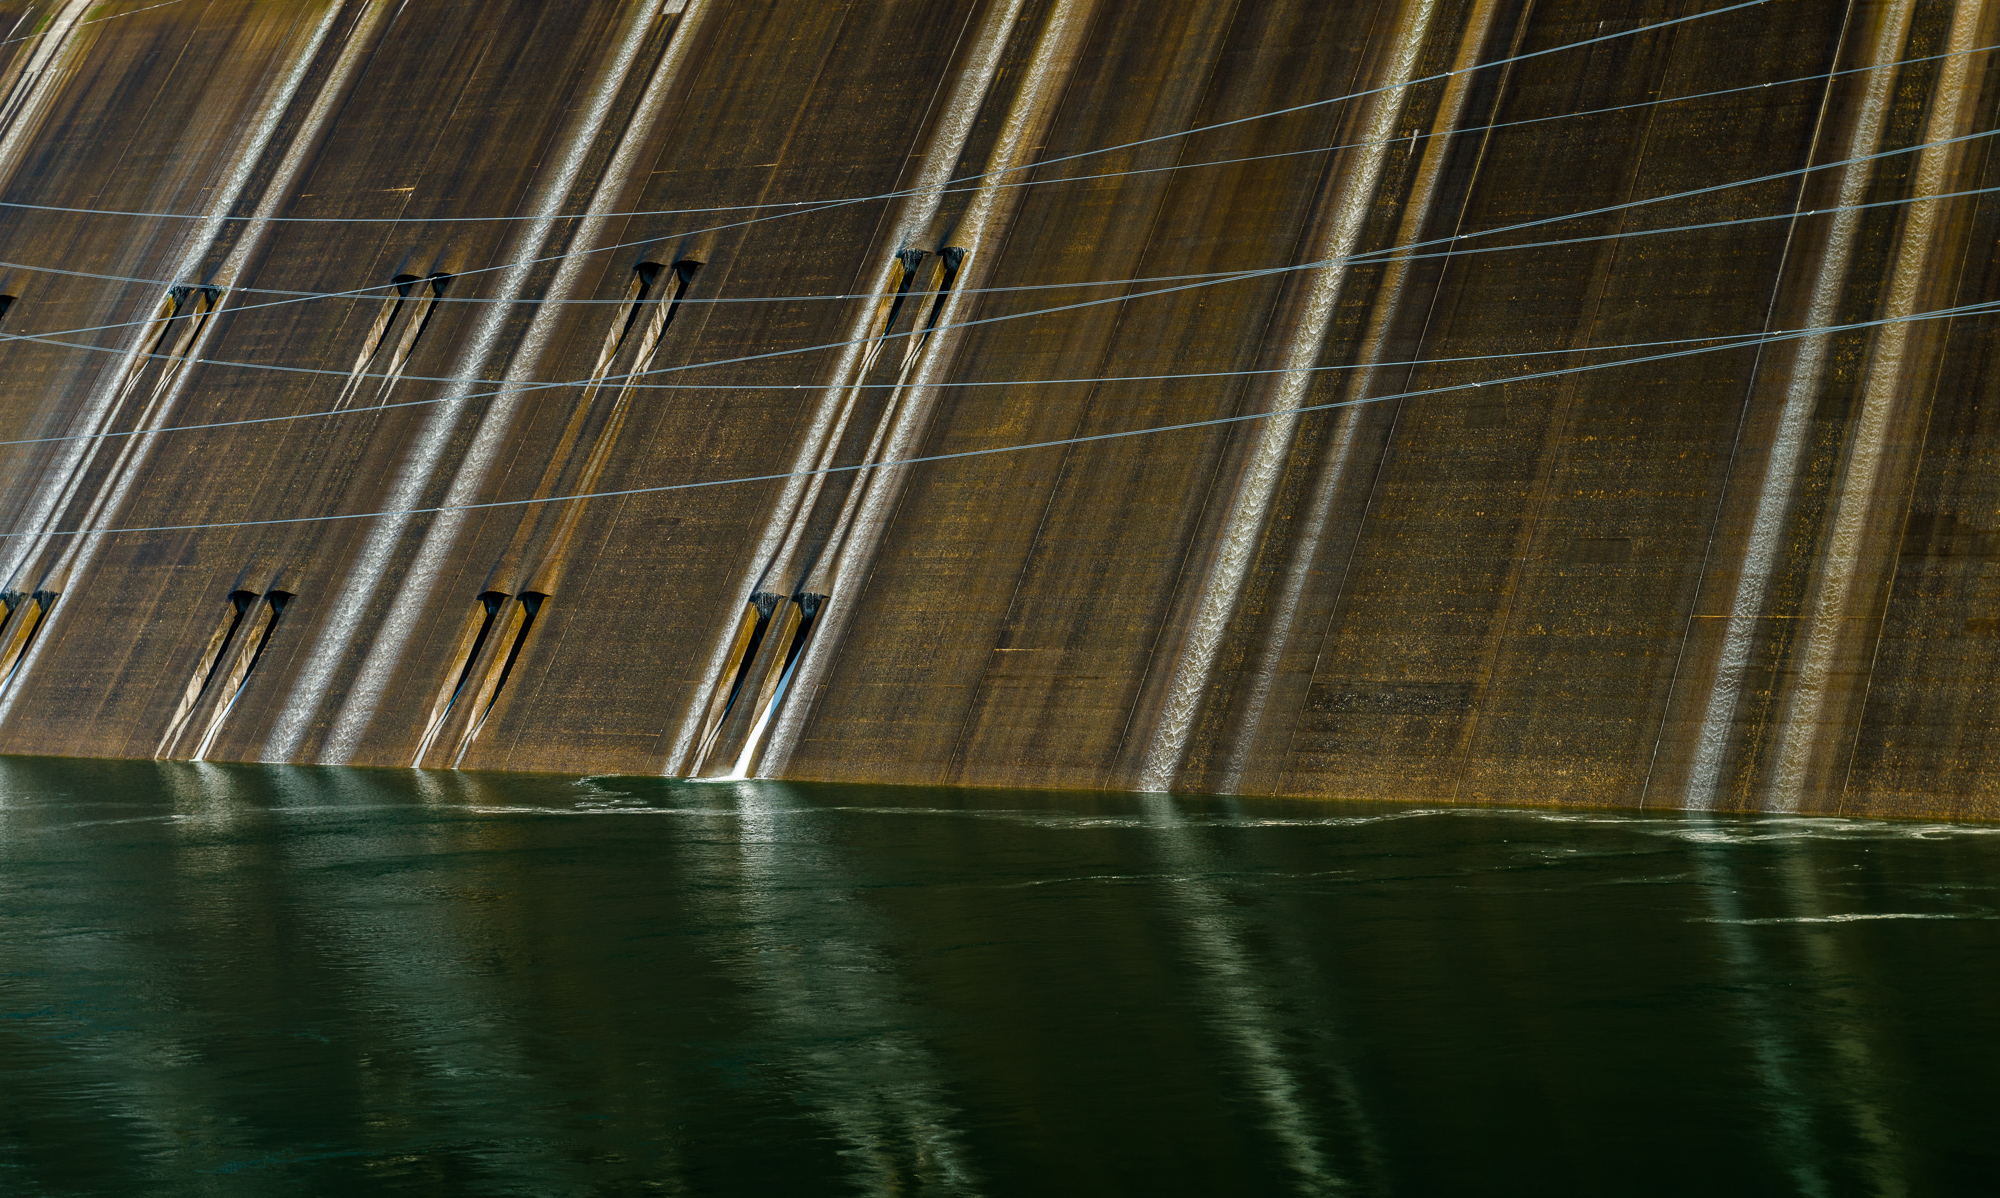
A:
655,294
206,667
531,606
26,615
492,601
771,698
472,647
243,663
750,629
491,644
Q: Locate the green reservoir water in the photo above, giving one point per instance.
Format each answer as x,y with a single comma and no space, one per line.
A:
260,981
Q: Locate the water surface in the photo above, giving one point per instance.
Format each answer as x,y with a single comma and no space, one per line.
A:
261,980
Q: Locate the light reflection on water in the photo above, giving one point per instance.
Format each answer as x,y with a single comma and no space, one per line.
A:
248,980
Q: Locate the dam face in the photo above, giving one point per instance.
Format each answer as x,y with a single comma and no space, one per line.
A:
1446,400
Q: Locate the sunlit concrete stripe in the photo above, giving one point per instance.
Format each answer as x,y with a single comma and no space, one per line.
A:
1339,455
1808,367
277,192
33,79
32,85
1888,374
778,550
363,698
1354,185
984,224
108,399
417,474
770,563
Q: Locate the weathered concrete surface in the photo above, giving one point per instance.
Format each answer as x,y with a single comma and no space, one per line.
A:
1758,577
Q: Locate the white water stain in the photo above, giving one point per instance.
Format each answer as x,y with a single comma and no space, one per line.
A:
1249,507
1808,365
1856,502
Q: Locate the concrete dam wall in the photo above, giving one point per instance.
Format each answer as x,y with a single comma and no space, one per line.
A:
1546,401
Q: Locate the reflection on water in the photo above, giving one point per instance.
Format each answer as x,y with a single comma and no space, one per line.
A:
255,980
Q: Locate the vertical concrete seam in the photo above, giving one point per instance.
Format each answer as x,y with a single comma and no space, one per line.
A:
1553,454
1521,24
1736,446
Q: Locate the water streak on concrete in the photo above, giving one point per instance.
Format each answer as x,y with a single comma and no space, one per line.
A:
1916,275
1802,392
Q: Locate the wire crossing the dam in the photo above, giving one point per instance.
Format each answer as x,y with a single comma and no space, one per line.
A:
1388,255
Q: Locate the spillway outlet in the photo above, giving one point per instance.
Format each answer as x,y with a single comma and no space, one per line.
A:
471,642
644,276
206,666
950,259
26,615
531,606
760,687
491,647
912,262
653,297
751,625
193,304
238,662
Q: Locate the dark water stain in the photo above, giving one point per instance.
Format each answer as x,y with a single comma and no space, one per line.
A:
257,980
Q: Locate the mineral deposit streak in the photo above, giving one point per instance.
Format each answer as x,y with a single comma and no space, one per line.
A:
470,239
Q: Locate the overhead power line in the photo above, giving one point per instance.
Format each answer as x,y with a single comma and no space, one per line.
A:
419,378
657,238
1414,137
92,21
1389,253
1792,335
